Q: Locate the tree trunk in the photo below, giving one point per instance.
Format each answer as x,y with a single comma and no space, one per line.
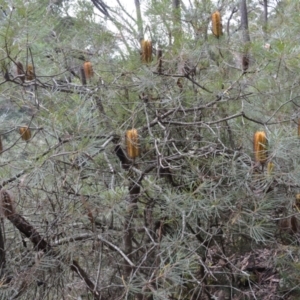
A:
244,21
245,34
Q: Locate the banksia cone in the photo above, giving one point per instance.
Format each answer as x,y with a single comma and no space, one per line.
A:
88,70
7,205
83,79
245,61
159,60
132,143
122,157
179,84
216,24
146,51
29,73
20,71
25,133
260,144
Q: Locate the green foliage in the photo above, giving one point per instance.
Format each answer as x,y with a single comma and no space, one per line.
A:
194,217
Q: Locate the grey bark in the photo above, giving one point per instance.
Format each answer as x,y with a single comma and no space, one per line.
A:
245,34
265,12
176,3
244,21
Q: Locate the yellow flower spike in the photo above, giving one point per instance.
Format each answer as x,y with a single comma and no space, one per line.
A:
146,51
216,24
88,70
132,143
260,145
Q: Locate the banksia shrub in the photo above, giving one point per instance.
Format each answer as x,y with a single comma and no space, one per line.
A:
216,24
132,143
146,51
88,70
260,145
29,73
25,133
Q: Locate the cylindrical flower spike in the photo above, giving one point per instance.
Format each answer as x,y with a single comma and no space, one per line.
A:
88,70
146,51
132,143
216,24
260,145
25,133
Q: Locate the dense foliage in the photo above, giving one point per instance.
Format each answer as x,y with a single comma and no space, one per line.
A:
187,211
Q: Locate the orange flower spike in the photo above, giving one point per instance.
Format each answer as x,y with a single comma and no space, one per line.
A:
132,143
216,24
146,51
88,70
260,145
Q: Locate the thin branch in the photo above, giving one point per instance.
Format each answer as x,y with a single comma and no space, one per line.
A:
101,6
117,249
